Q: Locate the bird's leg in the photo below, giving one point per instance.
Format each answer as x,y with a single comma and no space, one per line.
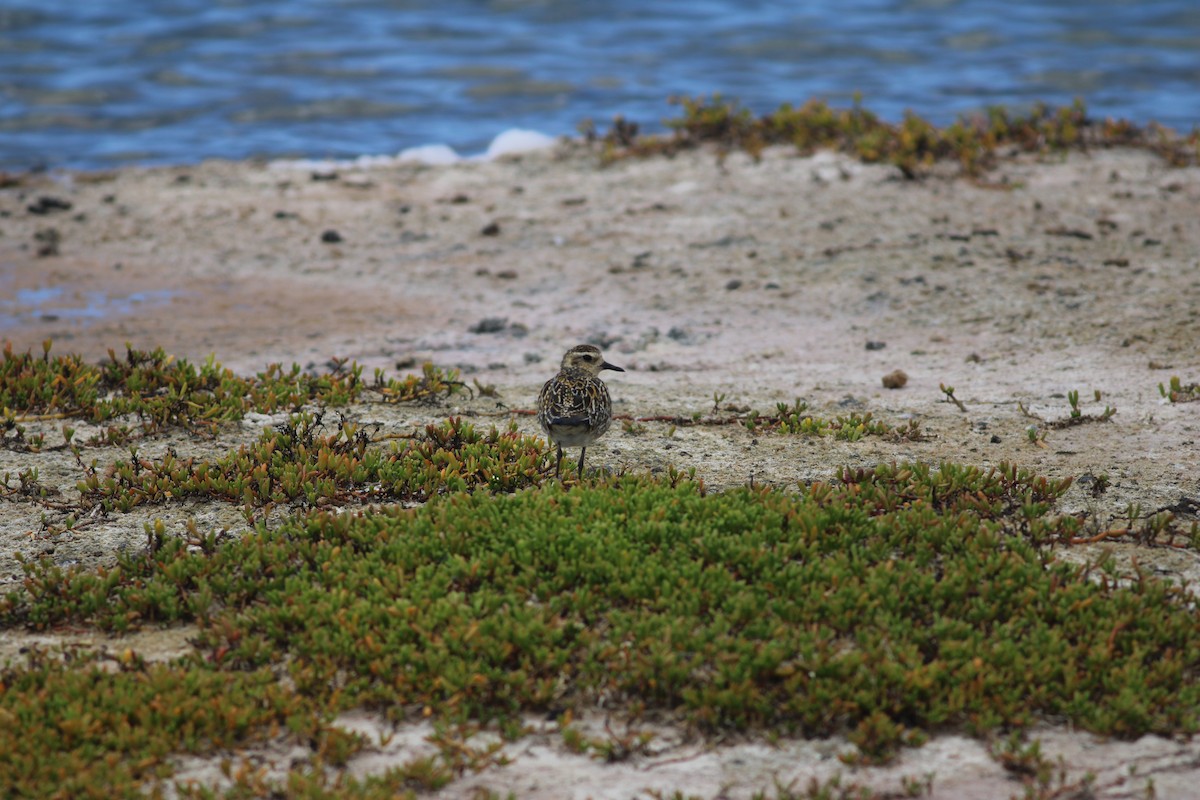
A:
558,463
582,451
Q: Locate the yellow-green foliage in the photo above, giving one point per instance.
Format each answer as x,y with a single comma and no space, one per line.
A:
160,390
295,462
884,604
913,145
892,602
1178,392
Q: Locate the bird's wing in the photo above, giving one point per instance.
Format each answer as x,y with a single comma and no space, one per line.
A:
573,403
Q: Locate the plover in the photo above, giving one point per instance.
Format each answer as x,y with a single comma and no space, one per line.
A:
574,408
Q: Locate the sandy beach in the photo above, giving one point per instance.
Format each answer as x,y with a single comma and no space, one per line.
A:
718,286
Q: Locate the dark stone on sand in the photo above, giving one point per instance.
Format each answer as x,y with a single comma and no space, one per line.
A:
490,325
48,205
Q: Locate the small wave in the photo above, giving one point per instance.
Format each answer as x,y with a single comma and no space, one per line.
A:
511,142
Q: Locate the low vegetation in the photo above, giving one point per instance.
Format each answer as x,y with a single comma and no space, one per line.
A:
913,145
159,391
1178,392
447,576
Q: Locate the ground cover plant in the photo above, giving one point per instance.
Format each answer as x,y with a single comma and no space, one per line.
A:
1178,392
296,463
159,391
884,604
896,601
913,145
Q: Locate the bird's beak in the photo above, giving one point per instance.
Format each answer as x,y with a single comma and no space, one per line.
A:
607,365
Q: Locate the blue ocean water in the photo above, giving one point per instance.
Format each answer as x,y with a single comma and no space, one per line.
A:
98,84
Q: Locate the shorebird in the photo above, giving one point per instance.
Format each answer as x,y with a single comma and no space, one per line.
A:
574,408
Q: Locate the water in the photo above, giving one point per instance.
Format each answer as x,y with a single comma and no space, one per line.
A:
52,303
98,84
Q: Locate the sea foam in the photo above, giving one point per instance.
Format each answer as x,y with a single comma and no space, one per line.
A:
510,142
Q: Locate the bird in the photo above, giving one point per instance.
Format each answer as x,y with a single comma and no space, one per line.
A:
574,408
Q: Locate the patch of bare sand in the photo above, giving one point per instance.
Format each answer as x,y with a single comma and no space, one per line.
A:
742,284
152,645
90,307
664,760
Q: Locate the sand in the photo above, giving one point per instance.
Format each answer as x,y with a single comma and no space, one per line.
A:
735,284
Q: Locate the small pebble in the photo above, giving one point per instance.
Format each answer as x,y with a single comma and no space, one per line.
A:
331,237
895,379
489,325
48,205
